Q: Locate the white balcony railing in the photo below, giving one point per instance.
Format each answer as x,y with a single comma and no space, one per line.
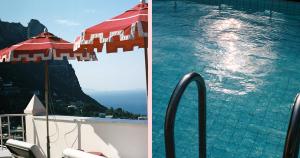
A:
12,127
114,138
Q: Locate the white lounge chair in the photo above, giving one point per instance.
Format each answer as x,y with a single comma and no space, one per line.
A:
24,149
72,153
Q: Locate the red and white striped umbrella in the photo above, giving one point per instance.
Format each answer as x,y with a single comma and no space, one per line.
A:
45,46
125,31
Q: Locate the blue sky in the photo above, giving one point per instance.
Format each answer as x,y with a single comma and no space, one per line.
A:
67,19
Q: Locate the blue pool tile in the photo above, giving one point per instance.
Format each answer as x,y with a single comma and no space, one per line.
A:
250,64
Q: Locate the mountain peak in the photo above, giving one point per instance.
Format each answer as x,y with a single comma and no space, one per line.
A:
34,28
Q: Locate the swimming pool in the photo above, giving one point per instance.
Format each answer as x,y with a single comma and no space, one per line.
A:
248,53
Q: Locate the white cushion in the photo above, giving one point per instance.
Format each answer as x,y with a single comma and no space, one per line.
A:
72,153
33,148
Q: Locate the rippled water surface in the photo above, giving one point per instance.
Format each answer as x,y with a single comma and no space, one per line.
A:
249,56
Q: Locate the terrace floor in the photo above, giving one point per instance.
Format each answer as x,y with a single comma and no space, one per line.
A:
5,153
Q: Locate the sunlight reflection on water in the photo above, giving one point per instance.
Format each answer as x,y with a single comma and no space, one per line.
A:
237,58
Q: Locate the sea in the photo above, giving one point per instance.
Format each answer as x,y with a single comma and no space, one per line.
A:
133,101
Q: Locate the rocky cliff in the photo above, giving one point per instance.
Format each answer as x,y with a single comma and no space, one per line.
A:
18,82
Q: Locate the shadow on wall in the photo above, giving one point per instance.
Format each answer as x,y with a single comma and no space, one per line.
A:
113,137
73,137
36,138
105,148
126,139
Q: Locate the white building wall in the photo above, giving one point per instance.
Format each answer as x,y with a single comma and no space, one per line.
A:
114,138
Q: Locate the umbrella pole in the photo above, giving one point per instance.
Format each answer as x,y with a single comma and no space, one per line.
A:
47,107
146,61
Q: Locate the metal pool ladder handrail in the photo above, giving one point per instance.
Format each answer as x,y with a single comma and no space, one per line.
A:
171,113
292,141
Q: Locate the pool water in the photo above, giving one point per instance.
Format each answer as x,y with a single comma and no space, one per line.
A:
249,55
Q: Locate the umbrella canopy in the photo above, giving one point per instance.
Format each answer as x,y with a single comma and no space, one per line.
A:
125,31
45,46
